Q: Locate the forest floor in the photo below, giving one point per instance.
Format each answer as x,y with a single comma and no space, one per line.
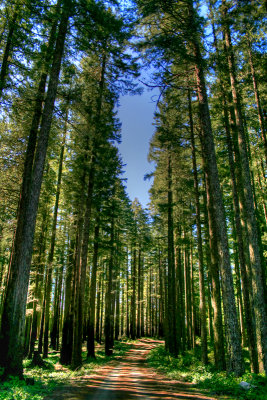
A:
127,378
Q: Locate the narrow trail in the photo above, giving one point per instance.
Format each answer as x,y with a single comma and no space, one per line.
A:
126,379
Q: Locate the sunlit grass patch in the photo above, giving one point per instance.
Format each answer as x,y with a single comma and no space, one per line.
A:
188,368
39,382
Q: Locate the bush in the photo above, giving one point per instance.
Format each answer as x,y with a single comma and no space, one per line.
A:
15,389
42,380
188,368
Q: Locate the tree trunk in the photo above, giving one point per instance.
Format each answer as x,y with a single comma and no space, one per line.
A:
67,329
127,299
91,319
122,306
79,300
218,333
108,300
193,311
161,295
79,315
27,332
238,198
133,299
202,305
139,284
179,288
52,244
257,98
102,311
99,288
8,49
242,251
171,337
239,298
149,306
39,279
254,248
57,301
117,308
142,302
12,324
235,362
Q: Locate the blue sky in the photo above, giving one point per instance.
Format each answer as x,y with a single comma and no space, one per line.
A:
136,114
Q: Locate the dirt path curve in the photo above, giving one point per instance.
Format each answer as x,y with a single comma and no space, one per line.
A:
127,379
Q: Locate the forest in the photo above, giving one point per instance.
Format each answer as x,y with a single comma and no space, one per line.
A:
82,264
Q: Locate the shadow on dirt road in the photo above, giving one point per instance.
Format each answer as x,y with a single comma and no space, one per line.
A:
126,379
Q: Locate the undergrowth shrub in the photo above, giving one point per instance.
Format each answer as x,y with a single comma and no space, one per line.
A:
188,368
40,381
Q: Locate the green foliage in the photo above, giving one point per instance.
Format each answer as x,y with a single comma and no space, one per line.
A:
188,368
16,389
39,382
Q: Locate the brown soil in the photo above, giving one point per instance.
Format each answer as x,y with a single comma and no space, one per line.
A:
126,379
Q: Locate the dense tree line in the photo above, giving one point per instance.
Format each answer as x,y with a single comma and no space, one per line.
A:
79,261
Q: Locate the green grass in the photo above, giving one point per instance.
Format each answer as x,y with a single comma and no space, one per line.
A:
188,368
39,382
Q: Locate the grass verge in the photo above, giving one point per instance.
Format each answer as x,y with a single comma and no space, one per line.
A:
39,382
188,368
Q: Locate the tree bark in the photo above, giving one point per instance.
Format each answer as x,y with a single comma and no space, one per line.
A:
238,202
254,246
187,296
218,332
53,243
122,306
8,49
91,319
202,305
108,299
127,299
139,284
67,329
79,300
235,362
13,318
161,295
133,298
54,335
117,307
257,98
39,279
171,337
242,251
179,288
99,288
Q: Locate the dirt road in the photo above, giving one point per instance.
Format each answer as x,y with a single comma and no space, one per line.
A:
127,379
